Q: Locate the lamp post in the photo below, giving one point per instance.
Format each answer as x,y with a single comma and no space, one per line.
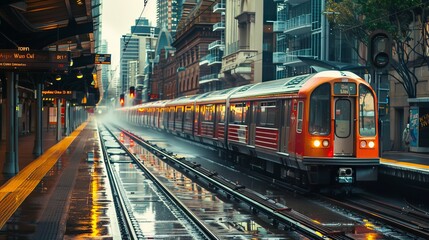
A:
179,69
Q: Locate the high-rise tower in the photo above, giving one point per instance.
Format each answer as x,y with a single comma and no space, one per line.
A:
134,49
169,13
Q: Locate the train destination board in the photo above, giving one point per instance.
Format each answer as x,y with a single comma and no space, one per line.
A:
344,88
102,58
34,60
66,94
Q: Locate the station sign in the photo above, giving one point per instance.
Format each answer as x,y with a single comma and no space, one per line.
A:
102,59
28,60
53,94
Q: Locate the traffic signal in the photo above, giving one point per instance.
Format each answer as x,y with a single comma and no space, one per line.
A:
121,99
380,49
132,91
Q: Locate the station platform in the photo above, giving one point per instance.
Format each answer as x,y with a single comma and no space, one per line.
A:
62,195
407,166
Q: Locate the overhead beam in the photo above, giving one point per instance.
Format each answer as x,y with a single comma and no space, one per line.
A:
46,38
8,2
19,5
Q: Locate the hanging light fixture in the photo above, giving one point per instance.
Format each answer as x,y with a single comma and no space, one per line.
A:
58,77
79,75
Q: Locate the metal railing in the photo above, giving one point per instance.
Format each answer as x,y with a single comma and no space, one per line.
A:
297,22
219,26
217,43
291,56
219,7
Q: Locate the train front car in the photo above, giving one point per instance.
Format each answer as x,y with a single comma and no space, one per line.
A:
337,137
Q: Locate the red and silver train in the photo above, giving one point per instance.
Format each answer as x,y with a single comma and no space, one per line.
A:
316,129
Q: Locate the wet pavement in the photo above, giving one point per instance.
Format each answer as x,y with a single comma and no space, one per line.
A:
71,201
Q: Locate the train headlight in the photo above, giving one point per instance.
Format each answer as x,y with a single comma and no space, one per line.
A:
316,143
325,143
371,144
363,144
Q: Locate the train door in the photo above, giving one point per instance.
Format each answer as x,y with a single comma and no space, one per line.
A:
285,128
252,124
344,127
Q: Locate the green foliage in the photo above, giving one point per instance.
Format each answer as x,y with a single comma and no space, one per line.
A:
361,17
404,20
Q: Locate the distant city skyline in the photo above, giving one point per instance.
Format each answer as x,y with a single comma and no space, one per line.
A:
117,19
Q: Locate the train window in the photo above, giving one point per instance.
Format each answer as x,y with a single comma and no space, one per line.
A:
188,114
238,113
171,114
367,112
320,110
179,114
342,118
266,114
220,109
300,116
208,113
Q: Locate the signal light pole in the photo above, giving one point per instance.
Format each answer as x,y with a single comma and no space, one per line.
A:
122,99
379,54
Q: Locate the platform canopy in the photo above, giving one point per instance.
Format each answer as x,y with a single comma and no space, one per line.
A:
42,24
53,25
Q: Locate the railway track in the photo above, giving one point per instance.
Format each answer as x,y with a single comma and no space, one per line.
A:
407,222
280,215
403,218
130,228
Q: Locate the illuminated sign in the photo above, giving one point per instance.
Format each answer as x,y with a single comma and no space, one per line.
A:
66,94
34,60
345,88
102,59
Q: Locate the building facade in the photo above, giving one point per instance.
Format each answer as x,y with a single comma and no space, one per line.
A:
164,78
302,29
194,34
135,46
213,60
169,13
105,70
248,42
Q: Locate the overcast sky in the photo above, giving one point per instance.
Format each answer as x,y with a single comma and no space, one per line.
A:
117,19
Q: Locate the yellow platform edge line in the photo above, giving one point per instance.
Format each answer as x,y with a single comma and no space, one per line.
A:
24,183
399,163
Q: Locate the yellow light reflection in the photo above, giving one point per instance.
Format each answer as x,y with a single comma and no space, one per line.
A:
95,213
369,225
316,221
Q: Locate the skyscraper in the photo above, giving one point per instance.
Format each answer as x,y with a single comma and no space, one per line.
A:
134,47
169,13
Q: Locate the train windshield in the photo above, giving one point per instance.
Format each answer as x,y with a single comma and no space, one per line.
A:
367,112
320,110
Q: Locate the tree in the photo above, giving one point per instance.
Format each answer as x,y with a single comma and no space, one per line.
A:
404,20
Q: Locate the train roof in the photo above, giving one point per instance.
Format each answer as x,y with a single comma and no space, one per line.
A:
280,86
185,100
219,95
159,103
290,85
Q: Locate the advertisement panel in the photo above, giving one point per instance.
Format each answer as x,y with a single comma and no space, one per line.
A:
414,126
423,127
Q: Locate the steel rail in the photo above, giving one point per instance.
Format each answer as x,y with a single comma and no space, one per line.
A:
198,226
276,211
397,220
127,227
